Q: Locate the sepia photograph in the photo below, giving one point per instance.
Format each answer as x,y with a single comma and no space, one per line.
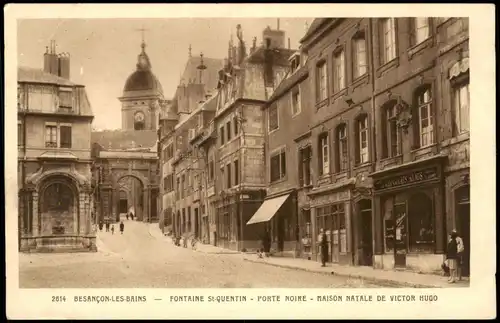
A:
245,152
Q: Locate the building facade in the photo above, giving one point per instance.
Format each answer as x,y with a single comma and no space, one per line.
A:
183,164
126,168
287,120
390,136
54,176
246,83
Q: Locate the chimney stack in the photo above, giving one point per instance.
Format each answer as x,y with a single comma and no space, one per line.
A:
56,64
64,67
288,42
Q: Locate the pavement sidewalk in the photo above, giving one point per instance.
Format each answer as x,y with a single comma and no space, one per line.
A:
386,277
155,232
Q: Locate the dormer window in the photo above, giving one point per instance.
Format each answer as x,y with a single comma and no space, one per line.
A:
295,63
65,99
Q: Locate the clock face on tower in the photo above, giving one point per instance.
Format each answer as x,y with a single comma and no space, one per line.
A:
139,117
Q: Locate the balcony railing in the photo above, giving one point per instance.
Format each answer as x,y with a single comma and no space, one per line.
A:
50,144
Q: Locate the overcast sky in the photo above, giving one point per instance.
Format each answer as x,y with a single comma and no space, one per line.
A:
104,51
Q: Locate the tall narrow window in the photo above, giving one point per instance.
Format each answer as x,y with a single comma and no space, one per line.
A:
211,170
421,30
324,154
228,130
338,71
19,133
51,136
228,175
305,166
461,107
321,82
236,173
222,178
425,122
273,117
362,140
342,155
388,39
296,102
359,55
221,130
278,166
183,186
392,136
65,133
236,126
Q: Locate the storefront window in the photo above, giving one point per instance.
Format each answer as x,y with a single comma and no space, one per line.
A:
421,223
409,224
331,219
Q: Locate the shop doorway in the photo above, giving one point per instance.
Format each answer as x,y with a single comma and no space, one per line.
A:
366,237
462,211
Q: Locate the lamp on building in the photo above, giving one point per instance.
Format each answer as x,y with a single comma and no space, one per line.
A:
349,101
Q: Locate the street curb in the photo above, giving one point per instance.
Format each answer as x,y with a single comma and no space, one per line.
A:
383,281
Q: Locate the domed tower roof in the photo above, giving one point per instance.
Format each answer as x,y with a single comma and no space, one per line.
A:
142,82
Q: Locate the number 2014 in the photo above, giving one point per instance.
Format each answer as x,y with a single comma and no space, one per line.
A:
58,299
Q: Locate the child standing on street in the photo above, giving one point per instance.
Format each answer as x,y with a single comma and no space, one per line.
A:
122,227
112,229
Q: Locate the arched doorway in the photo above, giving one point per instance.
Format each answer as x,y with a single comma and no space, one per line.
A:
58,207
364,208
130,198
462,223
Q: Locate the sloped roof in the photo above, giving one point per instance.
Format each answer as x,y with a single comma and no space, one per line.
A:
289,82
125,139
210,75
314,26
85,107
36,75
281,56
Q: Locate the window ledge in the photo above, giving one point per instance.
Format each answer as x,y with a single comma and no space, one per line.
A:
360,80
281,180
339,94
363,165
423,150
296,114
457,139
391,158
414,50
321,104
273,131
305,187
387,66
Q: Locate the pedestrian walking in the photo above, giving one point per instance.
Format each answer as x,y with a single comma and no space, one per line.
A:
122,227
324,247
132,216
112,229
451,256
107,226
126,215
266,242
460,254
100,225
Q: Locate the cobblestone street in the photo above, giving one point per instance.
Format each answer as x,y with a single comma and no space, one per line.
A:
138,259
